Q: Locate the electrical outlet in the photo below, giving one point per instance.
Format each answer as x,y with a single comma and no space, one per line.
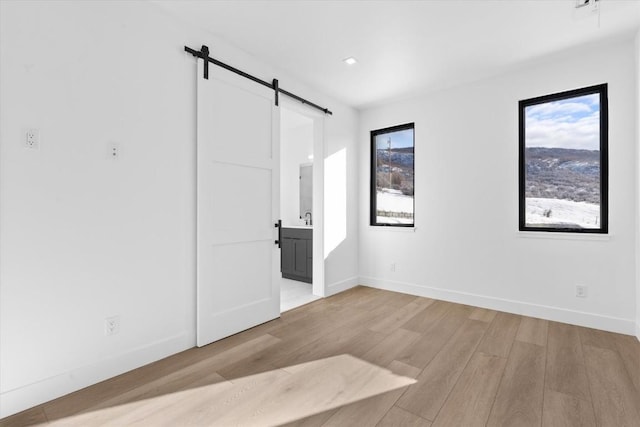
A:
32,139
113,150
112,325
392,267
581,291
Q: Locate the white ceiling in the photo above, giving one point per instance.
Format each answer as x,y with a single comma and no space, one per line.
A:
404,48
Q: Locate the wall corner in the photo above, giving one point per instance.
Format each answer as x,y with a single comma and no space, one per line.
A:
637,254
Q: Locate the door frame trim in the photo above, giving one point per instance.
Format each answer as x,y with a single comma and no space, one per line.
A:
319,287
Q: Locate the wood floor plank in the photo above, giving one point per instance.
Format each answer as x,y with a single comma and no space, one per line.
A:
343,331
347,333
342,341
369,412
424,319
368,298
403,369
392,346
147,412
184,379
311,328
240,351
398,417
388,324
353,295
500,335
597,338
439,377
533,331
565,362
563,410
30,417
399,300
323,305
469,403
483,314
315,420
251,365
616,402
519,399
315,324
434,337
629,349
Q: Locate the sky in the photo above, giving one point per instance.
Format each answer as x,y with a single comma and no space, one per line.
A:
569,123
399,139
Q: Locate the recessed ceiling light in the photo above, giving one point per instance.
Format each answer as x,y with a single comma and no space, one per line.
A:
350,60
310,157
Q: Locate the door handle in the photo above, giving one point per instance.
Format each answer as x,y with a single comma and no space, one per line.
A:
278,225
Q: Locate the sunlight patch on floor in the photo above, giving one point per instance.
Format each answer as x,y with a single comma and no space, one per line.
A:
270,398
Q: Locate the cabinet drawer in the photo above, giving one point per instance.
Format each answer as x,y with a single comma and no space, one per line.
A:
297,233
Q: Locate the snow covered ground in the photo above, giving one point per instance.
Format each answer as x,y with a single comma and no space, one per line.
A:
394,201
565,212
391,220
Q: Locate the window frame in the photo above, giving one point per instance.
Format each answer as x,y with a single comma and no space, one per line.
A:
373,218
600,90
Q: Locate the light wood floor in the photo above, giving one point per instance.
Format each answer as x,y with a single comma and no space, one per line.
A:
469,367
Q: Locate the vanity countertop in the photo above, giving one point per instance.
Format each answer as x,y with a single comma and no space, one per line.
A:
298,226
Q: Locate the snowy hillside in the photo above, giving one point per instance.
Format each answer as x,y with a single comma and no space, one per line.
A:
558,173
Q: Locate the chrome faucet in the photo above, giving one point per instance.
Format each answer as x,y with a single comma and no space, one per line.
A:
308,221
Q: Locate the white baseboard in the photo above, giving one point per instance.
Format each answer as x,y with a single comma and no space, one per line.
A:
638,328
590,320
16,400
342,285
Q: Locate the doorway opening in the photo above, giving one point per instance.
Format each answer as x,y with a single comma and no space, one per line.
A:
301,204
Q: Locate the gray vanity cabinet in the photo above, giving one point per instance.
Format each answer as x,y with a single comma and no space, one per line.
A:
296,254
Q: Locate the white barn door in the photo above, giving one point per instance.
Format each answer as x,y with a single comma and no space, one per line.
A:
238,193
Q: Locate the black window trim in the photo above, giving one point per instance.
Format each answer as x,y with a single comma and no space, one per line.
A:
600,89
373,219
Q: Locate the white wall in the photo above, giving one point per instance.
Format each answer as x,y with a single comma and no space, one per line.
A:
342,156
466,247
296,144
84,237
637,256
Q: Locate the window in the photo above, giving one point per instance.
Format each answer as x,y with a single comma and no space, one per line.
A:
392,176
563,162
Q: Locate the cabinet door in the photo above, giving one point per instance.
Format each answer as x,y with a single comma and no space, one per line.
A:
300,257
296,254
287,263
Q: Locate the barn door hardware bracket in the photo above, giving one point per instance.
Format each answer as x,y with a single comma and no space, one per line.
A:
275,89
204,54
